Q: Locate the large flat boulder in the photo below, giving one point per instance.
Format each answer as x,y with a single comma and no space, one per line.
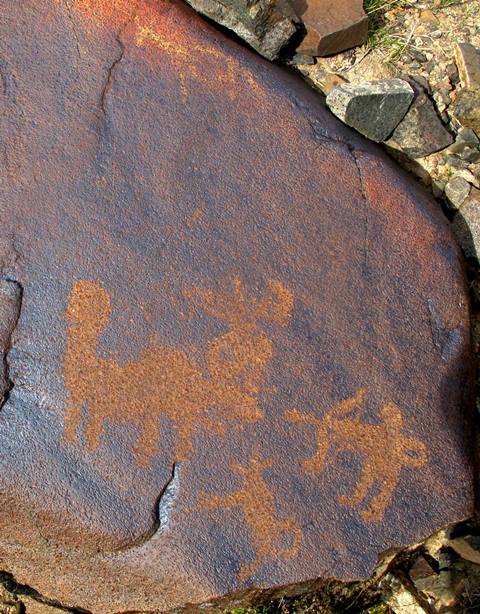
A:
235,336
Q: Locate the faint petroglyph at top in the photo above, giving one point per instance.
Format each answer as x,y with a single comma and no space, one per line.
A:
383,448
168,381
229,72
257,503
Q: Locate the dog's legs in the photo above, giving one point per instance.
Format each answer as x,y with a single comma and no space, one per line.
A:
93,431
146,446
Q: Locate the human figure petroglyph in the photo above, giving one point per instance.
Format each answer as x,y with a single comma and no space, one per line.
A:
165,380
257,503
383,447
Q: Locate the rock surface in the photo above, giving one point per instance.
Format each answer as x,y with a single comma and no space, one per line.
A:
467,109
266,25
374,108
241,357
467,58
421,132
417,42
466,225
457,191
331,26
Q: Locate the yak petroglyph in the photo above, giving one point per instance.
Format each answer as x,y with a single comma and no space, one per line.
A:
257,504
168,381
383,448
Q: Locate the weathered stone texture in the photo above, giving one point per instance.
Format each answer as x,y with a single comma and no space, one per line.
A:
467,58
331,27
466,225
421,132
373,108
242,357
466,109
267,25
457,191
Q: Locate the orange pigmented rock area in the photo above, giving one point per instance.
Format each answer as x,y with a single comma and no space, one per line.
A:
236,337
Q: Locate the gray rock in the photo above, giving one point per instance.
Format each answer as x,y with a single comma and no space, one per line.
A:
465,143
466,226
438,188
266,25
466,109
402,599
457,191
421,132
374,108
470,154
456,162
468,136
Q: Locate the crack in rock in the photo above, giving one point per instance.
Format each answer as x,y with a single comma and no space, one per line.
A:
165,500
361,182
110,72
11,295
111,69
161,511
321,135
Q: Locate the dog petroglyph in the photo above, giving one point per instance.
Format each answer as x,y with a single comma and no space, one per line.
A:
167,380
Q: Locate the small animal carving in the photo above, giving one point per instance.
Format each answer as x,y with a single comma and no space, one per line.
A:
383,447
257,504
165,380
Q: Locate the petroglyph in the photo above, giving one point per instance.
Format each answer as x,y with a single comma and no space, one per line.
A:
230,75
149,27
383,448
167,381
239,357
257,503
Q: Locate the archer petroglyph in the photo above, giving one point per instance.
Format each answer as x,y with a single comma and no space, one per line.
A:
257,503
167,381
383,448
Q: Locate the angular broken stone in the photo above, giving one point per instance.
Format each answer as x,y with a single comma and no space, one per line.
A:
457,191
421,132
331,27
266,25
242,352
373,108
467,58
466,225
466,109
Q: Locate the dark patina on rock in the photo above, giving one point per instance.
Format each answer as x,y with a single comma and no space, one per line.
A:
235,336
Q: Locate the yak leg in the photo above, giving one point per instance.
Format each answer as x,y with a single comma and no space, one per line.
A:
378,504
93,431
361,491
